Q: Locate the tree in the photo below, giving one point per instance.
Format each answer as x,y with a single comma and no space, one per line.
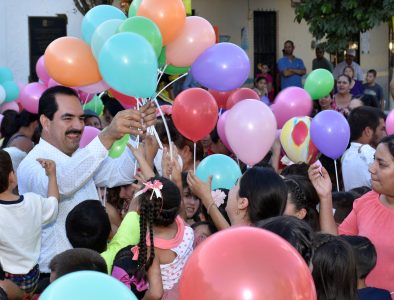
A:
337,22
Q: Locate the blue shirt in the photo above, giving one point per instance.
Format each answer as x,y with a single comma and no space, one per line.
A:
293,80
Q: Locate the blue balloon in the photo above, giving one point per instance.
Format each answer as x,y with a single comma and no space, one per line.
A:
11,90
96,16
128,64
5,75
224,170
84,285
102,33
221,67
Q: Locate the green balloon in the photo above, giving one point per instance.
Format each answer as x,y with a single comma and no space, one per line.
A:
162,58
5,75
146,28
119,146
135,4
170,69
319,83
95,105
11,90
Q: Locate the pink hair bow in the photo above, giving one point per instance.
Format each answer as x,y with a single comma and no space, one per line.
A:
122,276
155,186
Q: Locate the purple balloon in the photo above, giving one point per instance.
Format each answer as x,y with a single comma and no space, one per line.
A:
222,67
330,133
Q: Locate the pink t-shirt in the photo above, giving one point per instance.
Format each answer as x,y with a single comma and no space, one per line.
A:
374,220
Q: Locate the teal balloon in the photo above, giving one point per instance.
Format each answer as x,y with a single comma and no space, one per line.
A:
102,33
96,16
319,83
84,285
118,147
11,90
5,75
95,105
128,64
223,169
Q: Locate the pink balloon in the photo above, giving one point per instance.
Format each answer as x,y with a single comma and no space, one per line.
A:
291,102
221,130
390,123
52,83
85,97
9,106
41,71
88,134
239,95
30,96
94,88
21,86
196,36
250,130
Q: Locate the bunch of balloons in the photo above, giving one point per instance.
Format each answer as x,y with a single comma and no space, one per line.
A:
9,89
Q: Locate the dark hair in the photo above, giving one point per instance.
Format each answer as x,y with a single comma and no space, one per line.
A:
258,79
364,253
348,67
112,105
182,142
196,216
389,142
289,42
347,77
161,130
296,169
359,191
47,105
265,191
369,100
5,170
88,226
298,233
361,118
343,204
215,135
304,195
334,268
79,259
372,71
155,211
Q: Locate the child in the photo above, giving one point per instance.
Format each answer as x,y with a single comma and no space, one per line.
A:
260,87
374,89
264,69
365,254
22,217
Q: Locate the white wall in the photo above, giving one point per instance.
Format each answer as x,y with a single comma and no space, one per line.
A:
14,39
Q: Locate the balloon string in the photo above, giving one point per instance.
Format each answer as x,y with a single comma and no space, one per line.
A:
165,125
183,75
138,143
336,174
194,158
161,72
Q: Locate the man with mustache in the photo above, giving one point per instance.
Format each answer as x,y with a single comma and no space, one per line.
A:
79,171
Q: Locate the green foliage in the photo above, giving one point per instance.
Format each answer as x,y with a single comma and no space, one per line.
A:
338,22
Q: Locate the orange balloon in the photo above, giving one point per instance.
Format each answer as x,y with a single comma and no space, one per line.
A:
168,15
70,62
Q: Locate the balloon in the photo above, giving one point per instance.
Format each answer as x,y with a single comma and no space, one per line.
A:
2,94
222,67
1,118
70,62
195,113
168,15
84,285
330,133
146,28
296,140
390,123
291,102
119,146
221,130
239,95
223,169
95,105
96,16
319,83
30,96
88,135
52,83
11,90
126,101
21,86
250,130
102,33
170,69
133,8
9,106
196,36
220,97
95,87
129,65
246,263
165,108
41,71
85,97
5,74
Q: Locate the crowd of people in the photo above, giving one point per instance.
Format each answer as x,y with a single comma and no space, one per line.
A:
64,208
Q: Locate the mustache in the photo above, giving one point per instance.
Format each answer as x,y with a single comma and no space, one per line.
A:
73,131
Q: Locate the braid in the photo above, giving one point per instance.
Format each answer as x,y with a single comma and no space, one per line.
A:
152,246
144,211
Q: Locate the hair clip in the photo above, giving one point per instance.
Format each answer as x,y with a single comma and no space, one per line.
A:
155,186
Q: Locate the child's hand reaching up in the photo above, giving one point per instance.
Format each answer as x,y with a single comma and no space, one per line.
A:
48,165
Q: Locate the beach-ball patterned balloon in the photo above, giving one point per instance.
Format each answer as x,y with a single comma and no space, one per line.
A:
296,140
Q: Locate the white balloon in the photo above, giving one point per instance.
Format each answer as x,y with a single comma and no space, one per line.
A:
2,94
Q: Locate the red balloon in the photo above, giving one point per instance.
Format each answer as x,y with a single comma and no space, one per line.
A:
220,97
246,263
195,113
126,101
239,95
